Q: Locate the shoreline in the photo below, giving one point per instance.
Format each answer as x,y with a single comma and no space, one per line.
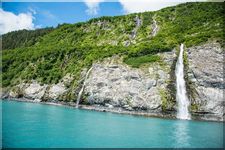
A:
116,110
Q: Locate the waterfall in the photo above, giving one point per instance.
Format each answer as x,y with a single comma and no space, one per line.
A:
181,95
82,89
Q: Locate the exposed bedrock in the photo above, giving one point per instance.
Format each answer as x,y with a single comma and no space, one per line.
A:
205,75
40,92
150,88
117,85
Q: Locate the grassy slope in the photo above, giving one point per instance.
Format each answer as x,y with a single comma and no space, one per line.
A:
70,47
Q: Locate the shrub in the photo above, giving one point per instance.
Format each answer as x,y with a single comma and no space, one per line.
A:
138,61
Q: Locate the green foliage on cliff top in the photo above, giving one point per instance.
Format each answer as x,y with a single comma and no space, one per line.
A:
51,54
137,61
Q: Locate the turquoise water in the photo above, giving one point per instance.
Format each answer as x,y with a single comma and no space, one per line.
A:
36,125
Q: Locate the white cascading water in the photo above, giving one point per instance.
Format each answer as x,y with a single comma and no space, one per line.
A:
181,95
82,88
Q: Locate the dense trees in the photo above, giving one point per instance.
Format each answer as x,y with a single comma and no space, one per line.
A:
23,38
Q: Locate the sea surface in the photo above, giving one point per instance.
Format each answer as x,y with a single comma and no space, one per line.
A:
30,125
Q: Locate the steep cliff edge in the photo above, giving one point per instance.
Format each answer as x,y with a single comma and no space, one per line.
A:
113,84
205,75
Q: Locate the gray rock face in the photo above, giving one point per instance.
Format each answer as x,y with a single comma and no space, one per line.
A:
138,23
13,94
155,27
118,85
31,90
206,65
56,90
35,91
206,74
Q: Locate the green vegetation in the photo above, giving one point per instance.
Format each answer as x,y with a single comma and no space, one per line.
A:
167,100
185,56
46,55
194,107
164,99
137,61
23,38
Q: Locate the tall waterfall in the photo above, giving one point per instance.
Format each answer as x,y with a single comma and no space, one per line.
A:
181,95
82,89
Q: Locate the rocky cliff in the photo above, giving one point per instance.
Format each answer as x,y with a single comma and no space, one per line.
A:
132,60
150,88
113,84
205,79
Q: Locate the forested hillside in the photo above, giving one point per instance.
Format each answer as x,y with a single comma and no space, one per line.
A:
47,55
23,38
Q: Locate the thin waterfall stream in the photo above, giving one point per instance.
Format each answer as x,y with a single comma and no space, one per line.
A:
82,89
181,95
